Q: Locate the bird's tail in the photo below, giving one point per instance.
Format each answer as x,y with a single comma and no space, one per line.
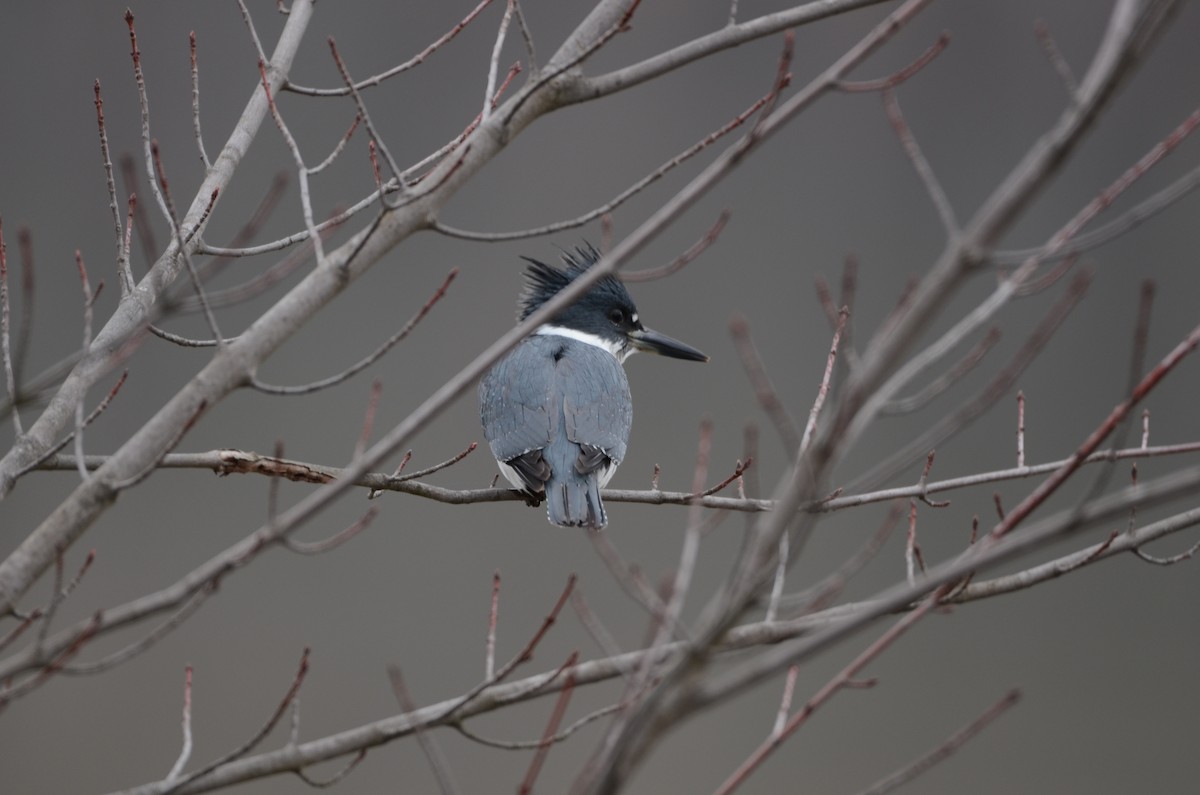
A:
574,501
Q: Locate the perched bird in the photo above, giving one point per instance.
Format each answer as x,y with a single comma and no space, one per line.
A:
556,410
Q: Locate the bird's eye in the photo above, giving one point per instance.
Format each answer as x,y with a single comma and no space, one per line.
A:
616,316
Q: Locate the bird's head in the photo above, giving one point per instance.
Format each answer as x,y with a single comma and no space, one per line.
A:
604,316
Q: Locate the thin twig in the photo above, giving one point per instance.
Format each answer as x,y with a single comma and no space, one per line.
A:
416,60
196,102
947,748
185,752
354,369
433,752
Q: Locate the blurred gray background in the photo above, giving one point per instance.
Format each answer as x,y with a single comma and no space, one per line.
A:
1106,658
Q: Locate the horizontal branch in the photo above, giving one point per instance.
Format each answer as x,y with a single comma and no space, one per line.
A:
231,461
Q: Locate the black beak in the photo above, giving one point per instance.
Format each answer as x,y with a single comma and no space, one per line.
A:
645,339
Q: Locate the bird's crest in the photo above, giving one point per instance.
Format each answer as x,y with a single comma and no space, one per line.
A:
544,281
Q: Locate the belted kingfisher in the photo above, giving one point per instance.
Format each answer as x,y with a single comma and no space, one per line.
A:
556,410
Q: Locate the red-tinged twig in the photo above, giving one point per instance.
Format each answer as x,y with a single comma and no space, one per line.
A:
113,203
130,482
399,336
606,233
254,287
336,778
334,541
896,78
764,389
629,577
324,228
126,653
124,266
684,259
823,593
181,242
526,36
1187,554
144,105
249,21
663,625
690,549
417,171
25,622
416,60
185,752
364,437
581,55
1130,219
196,102
920,163
529,745
494,63
591,622
60,592
1048,279
619,199
923,484
838,682
96,412
5,346
823,389
249,229
146,237
11,692
433,752
375,492
825,299
1042,31
1089,445
947,748
849,285
366,118
56,598
372,154
489,649
738,470
89,299
337,150
785,701
258,737
302,170
783,77
556,716
943,382
999,503
1123,182
1137,363
524,656
449,462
